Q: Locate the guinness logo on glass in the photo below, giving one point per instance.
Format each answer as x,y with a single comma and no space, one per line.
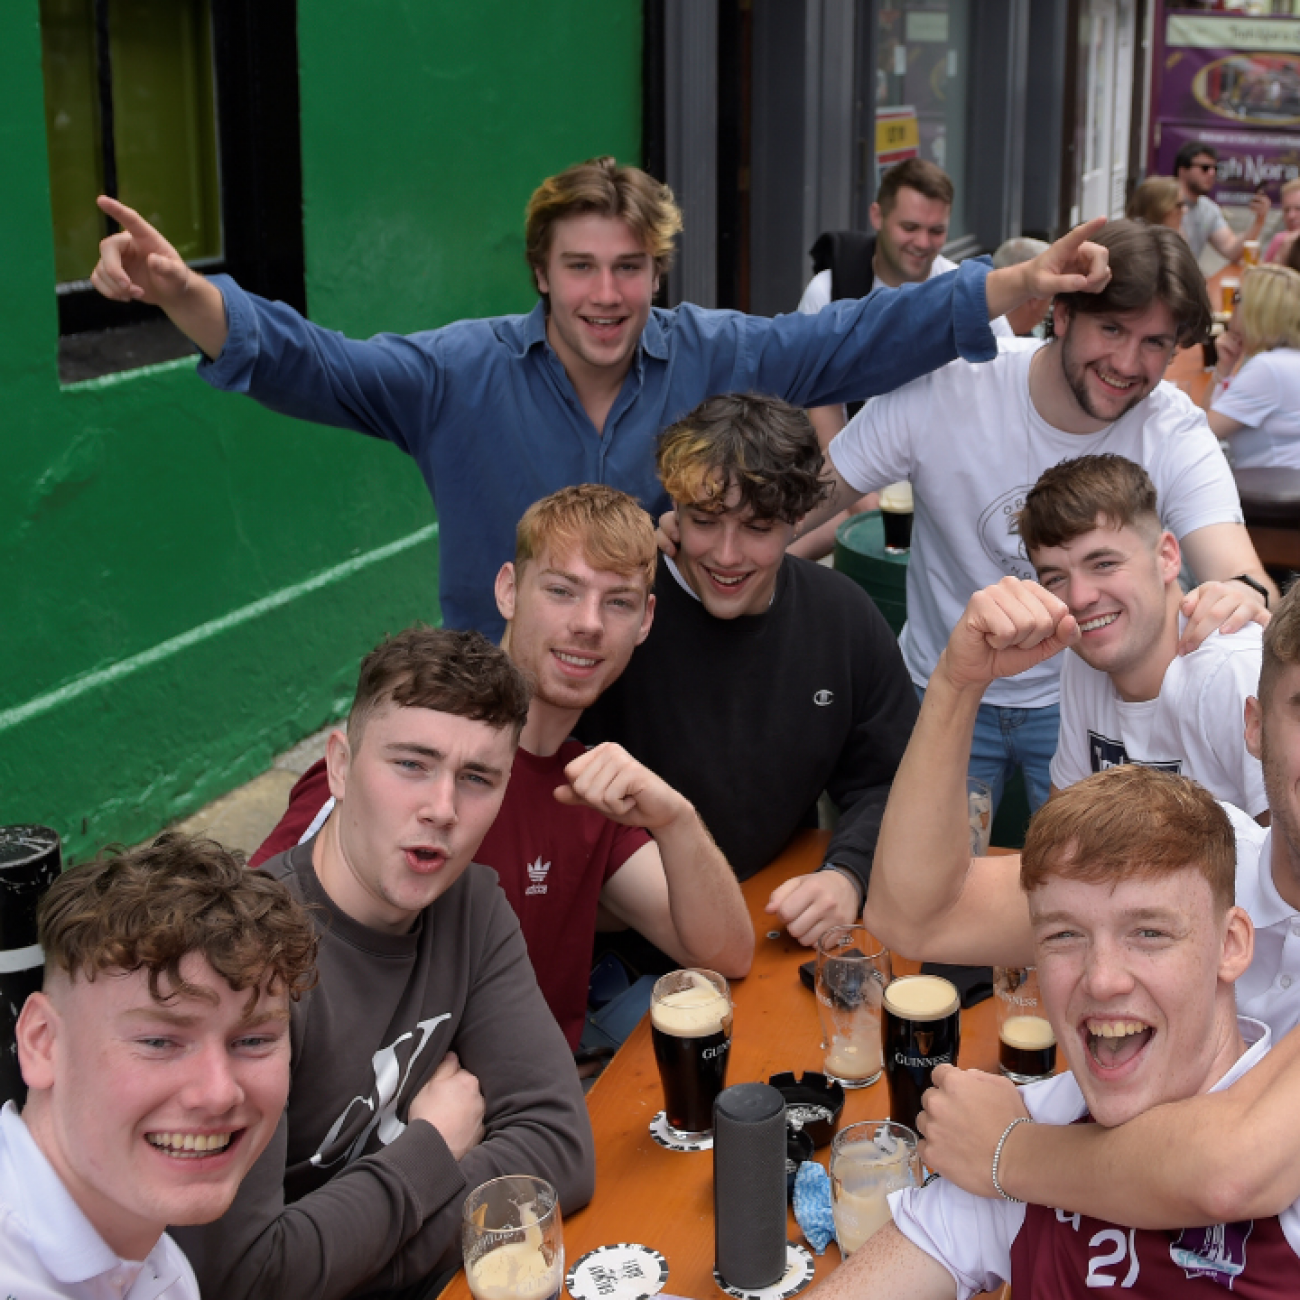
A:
924,1041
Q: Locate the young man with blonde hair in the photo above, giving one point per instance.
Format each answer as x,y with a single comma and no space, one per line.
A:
584,831
1128,880
498,413
766,679
929,899
425,1062
156,1057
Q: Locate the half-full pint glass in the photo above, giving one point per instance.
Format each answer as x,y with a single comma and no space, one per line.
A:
1026,1043
921,1028
690,1026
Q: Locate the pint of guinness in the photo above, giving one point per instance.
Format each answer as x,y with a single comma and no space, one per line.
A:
920,1028
690,1027
1026,1043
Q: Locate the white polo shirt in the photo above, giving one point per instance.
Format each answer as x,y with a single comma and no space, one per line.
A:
1270,989
50,1251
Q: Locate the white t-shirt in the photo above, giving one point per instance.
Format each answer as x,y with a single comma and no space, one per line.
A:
1194,726
1265,396
1270,989
817,294
1200,221
50,1251
972,444
972,1236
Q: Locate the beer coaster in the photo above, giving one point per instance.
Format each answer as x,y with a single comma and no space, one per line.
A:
624,1272
798,1274
662,1134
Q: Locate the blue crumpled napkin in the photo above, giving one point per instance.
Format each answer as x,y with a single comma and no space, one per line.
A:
812,1205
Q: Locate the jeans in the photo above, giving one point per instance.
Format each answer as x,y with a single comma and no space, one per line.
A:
1006,739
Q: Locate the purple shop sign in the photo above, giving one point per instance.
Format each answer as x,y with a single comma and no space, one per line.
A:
1229,70
1246,158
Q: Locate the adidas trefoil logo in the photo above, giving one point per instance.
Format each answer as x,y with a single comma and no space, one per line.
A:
537,872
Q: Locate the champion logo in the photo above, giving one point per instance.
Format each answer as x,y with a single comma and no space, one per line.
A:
823,698
537,871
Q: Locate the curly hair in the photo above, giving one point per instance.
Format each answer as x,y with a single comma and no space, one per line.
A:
457,672
1131,822
761,445
149,907
605,526
600,187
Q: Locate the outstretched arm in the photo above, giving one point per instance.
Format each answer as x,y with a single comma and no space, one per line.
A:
928,899
679,891
1222,1157
138,265
1229,246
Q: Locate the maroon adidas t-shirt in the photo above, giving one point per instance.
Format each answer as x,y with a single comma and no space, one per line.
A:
553,860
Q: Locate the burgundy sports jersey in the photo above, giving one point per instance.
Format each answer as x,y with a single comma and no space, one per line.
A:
1057,1254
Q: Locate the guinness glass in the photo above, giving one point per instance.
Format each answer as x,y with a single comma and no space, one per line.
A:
921,1028
690,1027
1026,1043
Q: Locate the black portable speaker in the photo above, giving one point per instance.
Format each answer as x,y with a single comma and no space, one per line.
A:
749,1204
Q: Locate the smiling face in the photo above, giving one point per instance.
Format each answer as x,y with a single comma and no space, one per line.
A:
1121,587
417,791
601,281
909,237
572,627
1137,981
1111,362
152,1114
731,558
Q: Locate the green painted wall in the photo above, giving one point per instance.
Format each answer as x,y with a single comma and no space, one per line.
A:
188,580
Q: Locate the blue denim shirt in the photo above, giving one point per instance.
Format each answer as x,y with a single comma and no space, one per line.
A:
494,423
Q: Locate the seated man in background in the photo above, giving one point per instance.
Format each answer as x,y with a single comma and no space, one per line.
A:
581,831
909,221
929,899
1128,878
425,1062
765,679
1091,528
974,439
156,1057
1029,319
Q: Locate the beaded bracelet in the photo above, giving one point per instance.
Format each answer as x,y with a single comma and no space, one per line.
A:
997,1156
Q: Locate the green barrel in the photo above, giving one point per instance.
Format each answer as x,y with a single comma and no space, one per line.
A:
860,554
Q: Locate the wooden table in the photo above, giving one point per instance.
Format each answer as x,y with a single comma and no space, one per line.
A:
663,1198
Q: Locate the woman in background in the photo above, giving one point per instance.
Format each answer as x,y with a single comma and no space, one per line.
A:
1284,241
1159,202
1256,402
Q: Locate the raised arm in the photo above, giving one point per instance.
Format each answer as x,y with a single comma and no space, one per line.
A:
1229,246
138,265
928,898
679,892
1223,1157
1071,265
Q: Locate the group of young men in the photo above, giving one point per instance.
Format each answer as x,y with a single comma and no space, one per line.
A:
457,849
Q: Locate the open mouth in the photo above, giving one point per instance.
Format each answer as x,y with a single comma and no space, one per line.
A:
1114,1044
728,582
605,327
1114,383
1097,623
423,859
191,1146
576,664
